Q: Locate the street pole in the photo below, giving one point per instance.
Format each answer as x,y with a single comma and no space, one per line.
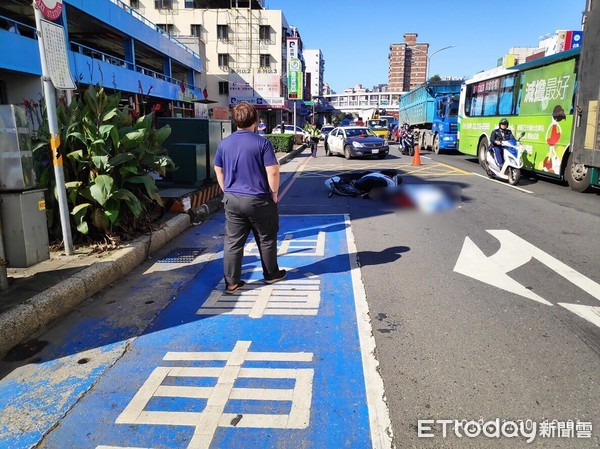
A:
294,119
57,161
429,56
3,262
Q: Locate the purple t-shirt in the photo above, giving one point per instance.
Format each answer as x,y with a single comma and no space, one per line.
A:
243,157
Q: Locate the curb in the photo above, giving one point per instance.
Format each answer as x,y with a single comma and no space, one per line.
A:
22,321
291,155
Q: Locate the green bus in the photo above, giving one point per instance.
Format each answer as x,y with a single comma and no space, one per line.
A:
538,99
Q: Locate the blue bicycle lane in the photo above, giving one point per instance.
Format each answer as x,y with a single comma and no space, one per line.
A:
287,365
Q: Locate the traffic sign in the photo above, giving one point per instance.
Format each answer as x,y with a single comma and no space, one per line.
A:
51,9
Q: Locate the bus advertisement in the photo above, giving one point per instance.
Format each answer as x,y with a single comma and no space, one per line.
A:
553,100
536,97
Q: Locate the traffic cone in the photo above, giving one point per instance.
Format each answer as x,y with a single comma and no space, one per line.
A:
416,157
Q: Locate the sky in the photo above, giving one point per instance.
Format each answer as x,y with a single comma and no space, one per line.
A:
354,36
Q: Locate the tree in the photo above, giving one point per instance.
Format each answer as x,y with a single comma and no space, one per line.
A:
435,78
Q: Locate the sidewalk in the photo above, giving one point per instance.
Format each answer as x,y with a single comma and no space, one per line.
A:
51,289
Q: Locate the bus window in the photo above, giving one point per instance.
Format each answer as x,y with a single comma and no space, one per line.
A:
490,103
505,105
520,92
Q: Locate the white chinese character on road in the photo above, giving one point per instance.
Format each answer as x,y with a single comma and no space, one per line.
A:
162,384
256,299
291,246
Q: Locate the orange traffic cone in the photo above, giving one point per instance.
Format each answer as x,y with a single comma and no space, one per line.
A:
416,157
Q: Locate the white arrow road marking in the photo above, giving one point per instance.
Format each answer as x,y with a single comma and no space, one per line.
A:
513,253
473,263
589,313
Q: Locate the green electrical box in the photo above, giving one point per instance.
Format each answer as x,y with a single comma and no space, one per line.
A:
192,146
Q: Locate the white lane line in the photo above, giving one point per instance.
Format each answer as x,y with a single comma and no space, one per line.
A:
589,313
501,183
379,418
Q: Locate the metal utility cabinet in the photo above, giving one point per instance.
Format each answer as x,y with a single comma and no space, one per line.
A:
192,146
23,229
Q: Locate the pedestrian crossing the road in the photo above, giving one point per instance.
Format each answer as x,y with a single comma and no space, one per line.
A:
283,365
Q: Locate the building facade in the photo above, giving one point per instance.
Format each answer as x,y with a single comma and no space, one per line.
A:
363,103
407,64
243,44
315,71
109,44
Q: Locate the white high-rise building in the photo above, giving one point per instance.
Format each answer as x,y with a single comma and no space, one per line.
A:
242,44
315,70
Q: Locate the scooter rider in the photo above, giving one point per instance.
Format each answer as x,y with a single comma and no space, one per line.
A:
500,134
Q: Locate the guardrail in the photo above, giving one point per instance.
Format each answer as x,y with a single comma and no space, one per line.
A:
16,27
152,25
105,57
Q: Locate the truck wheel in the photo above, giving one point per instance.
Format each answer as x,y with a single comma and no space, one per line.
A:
436,144
347,154
577,175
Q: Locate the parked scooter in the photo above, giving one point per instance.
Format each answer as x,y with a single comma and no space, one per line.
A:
513,161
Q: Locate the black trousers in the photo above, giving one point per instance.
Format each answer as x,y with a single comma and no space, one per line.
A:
245,214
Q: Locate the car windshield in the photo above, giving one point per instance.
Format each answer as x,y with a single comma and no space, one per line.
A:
359,132
377,123
327,128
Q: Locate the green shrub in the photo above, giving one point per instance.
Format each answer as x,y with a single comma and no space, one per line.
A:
108,160
281,142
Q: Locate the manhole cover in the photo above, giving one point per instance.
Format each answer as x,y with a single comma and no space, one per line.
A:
182,255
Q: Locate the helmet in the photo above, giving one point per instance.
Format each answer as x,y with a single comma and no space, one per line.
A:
503,122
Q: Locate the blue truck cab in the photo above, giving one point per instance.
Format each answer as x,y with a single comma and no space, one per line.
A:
431,110
445,121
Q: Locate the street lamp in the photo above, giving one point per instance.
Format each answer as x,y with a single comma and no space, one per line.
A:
429,56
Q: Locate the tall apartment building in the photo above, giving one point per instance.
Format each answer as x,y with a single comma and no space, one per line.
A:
242,43
315,70
407,64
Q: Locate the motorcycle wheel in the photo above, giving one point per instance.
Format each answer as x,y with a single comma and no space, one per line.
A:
514,174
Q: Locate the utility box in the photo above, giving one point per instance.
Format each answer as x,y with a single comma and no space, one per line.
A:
191,160
24,228
192,145
16,158
217,131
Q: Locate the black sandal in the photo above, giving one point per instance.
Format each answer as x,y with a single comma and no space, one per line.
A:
237,287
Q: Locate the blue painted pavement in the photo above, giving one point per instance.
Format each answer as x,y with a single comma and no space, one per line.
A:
272,366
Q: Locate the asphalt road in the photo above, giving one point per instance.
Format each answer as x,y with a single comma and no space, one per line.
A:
455,347
488,311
